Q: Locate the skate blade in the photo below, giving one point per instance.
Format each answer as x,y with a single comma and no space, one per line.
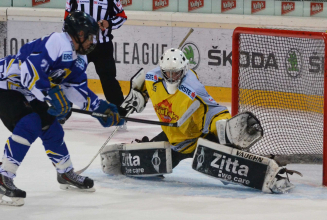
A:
72,188
9,201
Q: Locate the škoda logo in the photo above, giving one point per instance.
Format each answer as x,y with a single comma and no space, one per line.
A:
316,8
195,4
287,7
227,5
158,4
257,6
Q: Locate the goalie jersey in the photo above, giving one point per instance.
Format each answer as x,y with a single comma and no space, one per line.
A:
170,107
44,63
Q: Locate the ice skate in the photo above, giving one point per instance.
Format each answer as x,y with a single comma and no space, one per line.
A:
9,193
281,185
75,182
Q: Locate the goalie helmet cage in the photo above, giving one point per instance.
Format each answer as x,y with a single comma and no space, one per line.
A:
279,76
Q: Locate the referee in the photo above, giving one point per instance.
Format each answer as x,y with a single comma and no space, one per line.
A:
110,15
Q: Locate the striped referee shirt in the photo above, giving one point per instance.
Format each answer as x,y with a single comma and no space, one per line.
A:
110,10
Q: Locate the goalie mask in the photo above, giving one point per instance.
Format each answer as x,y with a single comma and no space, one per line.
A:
173,66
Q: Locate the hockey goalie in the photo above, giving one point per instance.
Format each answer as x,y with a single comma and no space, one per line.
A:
217,142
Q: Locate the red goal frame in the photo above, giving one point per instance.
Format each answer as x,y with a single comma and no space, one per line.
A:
280,33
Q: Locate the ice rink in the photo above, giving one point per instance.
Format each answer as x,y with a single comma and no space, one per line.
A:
184,194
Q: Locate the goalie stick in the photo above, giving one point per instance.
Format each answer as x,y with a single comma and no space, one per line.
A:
195,105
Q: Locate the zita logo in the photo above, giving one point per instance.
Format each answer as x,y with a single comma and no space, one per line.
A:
192,53
195,4
226,165
158,4
316,8
287,7
227,5
257,6
130,161
126,2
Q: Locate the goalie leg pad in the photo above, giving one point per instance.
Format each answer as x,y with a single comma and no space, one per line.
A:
240,167
141,159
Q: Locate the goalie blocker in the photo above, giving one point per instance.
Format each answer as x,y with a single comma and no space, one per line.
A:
141,159
240,167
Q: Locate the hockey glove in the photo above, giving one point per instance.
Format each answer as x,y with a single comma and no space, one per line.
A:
59,104
112,112
136,100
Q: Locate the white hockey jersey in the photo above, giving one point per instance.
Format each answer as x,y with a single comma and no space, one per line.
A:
44,63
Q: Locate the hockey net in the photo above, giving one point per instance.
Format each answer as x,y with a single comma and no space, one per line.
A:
279,76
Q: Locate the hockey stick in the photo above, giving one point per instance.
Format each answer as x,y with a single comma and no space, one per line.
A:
195,105
185,38
105,143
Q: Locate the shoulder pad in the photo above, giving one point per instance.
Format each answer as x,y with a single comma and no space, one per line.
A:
187,90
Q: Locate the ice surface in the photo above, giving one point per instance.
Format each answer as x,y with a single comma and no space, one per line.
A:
184,194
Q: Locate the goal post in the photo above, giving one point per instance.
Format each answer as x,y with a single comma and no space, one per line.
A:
279,75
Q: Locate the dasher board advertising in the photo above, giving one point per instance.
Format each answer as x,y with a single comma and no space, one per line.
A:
136,5
135,47
227,7
288,8
315,9
196,6
254,7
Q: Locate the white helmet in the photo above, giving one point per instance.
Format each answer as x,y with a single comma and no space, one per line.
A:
173,66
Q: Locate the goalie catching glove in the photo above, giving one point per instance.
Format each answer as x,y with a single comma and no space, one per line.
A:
242,130
136,101
112,112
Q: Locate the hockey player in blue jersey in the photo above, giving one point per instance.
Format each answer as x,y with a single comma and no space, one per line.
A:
49,70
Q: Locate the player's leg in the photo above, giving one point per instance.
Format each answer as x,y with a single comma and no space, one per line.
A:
25,126
106,69
232,165
137,159
176,156
56,150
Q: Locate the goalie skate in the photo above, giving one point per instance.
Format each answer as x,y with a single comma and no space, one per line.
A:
9,194
74,182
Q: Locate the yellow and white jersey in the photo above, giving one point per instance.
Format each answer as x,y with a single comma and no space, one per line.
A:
169,108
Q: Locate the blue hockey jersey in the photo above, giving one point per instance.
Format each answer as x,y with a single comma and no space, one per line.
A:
44,63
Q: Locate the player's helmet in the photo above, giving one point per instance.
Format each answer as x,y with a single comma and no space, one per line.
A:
77,21
174,66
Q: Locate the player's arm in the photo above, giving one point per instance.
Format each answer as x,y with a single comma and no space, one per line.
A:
118,15
35,68
77,91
